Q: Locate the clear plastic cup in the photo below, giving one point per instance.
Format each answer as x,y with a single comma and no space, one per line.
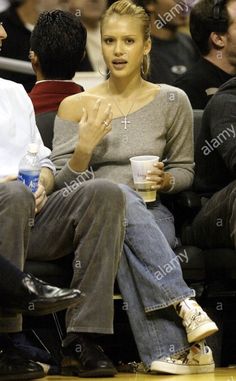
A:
140,165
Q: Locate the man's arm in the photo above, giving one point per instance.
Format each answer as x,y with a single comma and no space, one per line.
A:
222,120
47,179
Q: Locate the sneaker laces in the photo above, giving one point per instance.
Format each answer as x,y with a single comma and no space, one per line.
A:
179,358
194,318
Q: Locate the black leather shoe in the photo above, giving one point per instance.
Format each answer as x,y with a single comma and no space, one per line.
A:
84,358
40,298
13,366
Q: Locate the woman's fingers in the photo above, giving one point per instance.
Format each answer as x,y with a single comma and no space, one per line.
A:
84,116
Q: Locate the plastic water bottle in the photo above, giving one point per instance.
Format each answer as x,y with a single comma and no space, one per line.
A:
29,168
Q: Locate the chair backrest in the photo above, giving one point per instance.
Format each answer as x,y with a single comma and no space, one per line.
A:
45,123
197,121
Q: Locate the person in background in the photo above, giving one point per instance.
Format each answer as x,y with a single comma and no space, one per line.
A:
21,292
57,45
168,324
213,29
215,154
19,20
90,13
172,53
60,218
3,5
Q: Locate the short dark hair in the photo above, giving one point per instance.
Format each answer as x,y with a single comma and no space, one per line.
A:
16,3
203,23
58,40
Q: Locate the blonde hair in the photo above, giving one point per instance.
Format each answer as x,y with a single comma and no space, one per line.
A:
128,8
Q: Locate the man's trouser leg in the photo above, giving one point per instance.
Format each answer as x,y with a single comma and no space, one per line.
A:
16,218
89,221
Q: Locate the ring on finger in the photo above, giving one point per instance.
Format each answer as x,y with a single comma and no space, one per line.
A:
105,123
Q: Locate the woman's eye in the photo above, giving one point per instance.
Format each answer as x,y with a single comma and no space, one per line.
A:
108,40
129,41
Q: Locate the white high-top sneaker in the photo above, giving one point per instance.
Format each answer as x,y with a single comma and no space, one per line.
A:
197,359
197,323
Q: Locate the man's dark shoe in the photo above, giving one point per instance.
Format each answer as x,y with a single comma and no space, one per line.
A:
83,358
40,298
13,366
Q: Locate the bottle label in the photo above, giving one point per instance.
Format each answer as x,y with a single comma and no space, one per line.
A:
30,179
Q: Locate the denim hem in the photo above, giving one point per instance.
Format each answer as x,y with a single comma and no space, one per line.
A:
78,329
180,351
173,301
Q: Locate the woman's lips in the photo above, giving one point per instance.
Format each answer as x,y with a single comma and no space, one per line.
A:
119,64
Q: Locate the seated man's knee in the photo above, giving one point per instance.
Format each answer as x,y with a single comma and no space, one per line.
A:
106,192
16,193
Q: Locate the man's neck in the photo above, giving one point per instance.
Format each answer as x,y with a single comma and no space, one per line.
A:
90,24
28,13
219,59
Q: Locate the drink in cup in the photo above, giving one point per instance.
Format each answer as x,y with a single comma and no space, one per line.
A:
140,165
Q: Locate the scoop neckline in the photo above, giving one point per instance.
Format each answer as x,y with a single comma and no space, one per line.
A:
144,106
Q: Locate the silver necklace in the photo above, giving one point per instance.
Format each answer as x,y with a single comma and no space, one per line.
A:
125,121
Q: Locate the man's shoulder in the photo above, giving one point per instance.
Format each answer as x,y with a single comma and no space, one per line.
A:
228,87
184,38
5,84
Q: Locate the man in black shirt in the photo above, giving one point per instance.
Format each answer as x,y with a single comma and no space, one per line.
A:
172,53
215,40
215,156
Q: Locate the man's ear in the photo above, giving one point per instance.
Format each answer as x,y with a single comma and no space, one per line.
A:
217,40
33,58
150,6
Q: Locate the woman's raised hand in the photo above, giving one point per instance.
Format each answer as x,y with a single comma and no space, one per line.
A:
94,125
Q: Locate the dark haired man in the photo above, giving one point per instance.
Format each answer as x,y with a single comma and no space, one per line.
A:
213,29
57,46
215,225
172,53
19,20
69,219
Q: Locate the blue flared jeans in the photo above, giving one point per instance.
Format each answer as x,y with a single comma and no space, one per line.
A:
150,279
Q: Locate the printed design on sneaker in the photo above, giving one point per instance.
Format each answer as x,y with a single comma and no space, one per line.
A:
197,359
197,323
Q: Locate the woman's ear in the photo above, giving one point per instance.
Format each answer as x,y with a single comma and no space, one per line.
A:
147,46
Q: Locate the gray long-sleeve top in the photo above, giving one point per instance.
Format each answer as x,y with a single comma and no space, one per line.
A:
163,127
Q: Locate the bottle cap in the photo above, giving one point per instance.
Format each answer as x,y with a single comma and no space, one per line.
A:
33,148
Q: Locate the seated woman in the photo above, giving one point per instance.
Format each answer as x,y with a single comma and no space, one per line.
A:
168,324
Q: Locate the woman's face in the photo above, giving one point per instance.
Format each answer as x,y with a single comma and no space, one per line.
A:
3,34
123,45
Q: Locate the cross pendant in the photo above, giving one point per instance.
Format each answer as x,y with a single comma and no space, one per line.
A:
125,122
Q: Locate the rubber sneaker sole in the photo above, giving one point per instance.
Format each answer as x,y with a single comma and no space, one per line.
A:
165,367
202,331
